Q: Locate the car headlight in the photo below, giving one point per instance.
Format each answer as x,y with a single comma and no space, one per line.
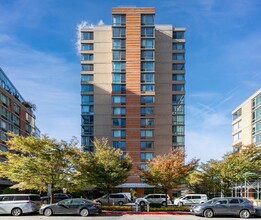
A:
197,208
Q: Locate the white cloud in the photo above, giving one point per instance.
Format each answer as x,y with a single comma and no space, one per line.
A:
100,23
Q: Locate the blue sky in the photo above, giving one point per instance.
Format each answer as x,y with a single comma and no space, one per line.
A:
223,60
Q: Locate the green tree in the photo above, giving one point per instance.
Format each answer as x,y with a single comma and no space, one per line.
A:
33,163
168,171
104,168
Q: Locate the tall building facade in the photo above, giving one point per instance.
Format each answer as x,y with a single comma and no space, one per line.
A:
246,122
15,115
133,86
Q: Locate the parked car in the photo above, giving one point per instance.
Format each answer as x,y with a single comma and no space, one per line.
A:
18,204
241,207
114,199
191,199
56,198
153,198
81,207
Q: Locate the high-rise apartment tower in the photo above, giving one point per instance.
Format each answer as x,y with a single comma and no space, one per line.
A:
132,85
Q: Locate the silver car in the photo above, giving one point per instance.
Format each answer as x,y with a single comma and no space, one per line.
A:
154,198
241,207
17,204
114,199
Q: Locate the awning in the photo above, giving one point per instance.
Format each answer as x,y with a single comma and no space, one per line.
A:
134,185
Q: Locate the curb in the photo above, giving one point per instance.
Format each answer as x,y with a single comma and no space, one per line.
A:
144,213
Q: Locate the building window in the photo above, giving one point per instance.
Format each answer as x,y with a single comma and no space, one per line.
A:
258,113
87,46
178,130
87,130
118,66
119,133
236,125
144,166
147,32
16,109
118,88
178,77
147,77
87,119
118,77
87,109
5,113
147,43
118,99
87,88
87,56
178,56
178,46
119,110
5,100
147,55
147,144
147,66
258,127
237,136
146,155
87,67
146,121
118,43
16,120
179,140
178,34
178,87
177,99
178,109
258,100
119,144
118,20
178,119
86,77
236,114
147,88
119,122
5,126
147,99
146,133
118,32
87,36
87,141
178,66
147,19
147,110
118,55
87,99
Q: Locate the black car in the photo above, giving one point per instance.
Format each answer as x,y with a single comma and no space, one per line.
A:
56,198
81,207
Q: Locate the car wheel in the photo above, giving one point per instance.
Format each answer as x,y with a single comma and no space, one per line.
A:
142,203
120,203
180,204
244,214
16,212
84,212
164,203
208,213
48,212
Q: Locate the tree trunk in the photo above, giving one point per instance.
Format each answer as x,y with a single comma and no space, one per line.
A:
166,199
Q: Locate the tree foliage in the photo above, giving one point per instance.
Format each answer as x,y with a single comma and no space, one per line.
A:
168,171
104,168
33,163
219,176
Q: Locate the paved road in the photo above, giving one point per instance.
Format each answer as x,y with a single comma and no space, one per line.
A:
124,217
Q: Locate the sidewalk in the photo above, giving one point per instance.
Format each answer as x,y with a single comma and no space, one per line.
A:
113,213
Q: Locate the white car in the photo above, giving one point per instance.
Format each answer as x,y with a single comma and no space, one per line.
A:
153,198
191,199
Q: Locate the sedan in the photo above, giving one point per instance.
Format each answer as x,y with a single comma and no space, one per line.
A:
224,206
81,207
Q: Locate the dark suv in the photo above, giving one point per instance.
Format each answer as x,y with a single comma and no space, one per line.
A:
56,198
